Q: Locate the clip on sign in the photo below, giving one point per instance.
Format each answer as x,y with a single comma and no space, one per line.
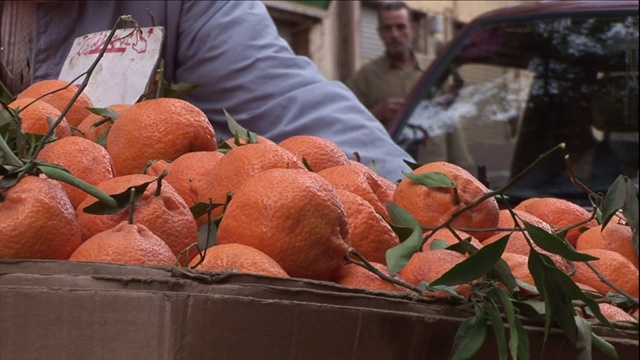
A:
125,70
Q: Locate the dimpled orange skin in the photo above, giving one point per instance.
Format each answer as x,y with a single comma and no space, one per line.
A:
448,236
238,258
157,129
355,276
126,244
34,117
319,153
84,158
237,166
369,233
37,221
361,181
61,98
186,171
292,215
433,206
166,215
614,267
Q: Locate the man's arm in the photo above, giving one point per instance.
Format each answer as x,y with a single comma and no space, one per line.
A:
233,51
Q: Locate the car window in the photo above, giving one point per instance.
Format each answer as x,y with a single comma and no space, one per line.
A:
516,90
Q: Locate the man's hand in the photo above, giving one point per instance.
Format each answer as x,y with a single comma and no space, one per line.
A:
387,110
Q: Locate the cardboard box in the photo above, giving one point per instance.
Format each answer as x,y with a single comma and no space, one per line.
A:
67,310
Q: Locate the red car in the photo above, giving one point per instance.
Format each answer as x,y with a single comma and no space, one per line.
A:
520,80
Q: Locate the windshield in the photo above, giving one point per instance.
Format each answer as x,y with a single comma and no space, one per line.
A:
516,90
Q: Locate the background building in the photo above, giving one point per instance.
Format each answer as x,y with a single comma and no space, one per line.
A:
340,36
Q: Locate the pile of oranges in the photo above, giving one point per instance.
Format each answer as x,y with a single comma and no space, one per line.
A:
288,209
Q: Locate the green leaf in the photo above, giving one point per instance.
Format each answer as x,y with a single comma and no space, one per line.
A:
207,235
438,244
614,199
431,179
469,337
475,266
604,347
498,328
179,90
201,208
238,130
122,199
411,164
502,273
104,112
583,338
509,312
523,340
533,308
398,256
554,244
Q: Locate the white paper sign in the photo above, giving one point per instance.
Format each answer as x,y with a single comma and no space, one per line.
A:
123,72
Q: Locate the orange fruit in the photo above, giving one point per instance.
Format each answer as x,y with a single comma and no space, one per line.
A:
355,276
35,116
166,214
320,153
613,313
186,171
518,263
292,215
157,129
61,98
614,267
37,221
448,236
387,184
237,166
238,258
369,233
506,222
559,213
615,237
429,265
432,206
361,181
83,158
89,127
125,244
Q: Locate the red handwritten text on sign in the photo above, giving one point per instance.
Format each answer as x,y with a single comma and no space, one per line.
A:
135,40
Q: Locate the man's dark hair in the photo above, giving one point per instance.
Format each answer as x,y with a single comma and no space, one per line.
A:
393,5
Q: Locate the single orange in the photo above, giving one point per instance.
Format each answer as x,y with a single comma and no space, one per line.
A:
238,258
355,276
560,214
125,244
615,237
84,158
320,153
369,233
94,125
361,181
157,129
506,221
518,264
38,116
237,166
614,267
612,313
165,214
186,171
432,206
292,215
60,93
37,221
